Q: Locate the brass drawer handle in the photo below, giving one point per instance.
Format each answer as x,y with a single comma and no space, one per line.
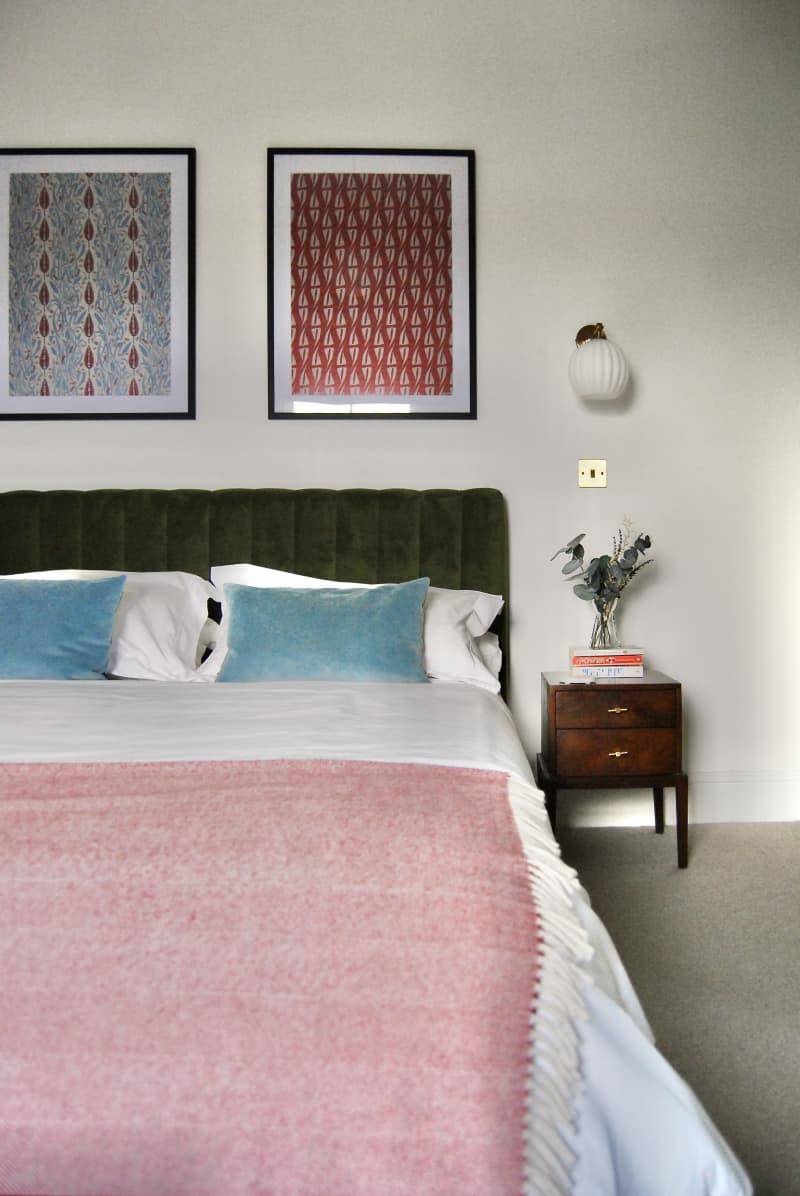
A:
618,754
618,710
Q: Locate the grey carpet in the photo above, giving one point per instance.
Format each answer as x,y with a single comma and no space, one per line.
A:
714,953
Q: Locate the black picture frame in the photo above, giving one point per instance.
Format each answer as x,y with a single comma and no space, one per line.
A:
97,283
371,283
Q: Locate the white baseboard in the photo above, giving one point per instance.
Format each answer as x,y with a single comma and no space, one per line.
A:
713,797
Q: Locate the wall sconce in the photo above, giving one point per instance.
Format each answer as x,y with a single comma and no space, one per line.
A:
597,368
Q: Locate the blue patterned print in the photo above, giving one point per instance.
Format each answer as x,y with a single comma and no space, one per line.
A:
89,284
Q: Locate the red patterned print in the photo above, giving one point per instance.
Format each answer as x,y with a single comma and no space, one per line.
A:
372,284
89,291
132,293
43,362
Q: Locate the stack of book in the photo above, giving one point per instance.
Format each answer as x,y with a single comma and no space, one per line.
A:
606,662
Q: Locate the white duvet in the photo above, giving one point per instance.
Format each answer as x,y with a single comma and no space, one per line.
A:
639,1131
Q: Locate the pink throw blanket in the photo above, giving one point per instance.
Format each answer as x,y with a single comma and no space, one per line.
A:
279,978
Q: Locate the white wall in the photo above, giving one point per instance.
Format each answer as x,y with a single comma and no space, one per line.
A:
637,163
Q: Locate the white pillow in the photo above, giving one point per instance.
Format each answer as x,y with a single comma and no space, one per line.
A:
157,627
456,622
489,647
458,643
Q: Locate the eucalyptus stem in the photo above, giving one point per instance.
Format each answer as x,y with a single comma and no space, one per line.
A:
605,577
604,631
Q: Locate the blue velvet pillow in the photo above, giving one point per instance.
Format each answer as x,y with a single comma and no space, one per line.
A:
57,630
324,635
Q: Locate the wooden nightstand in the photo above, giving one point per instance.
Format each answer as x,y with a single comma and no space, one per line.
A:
614,734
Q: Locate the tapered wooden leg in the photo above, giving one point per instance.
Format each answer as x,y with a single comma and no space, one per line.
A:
658,806
682,819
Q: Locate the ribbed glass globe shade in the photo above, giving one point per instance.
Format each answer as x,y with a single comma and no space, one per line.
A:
598,370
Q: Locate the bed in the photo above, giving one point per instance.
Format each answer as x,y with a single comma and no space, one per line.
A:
280,909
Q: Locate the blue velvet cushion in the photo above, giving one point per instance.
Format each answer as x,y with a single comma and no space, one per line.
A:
324,635
57,630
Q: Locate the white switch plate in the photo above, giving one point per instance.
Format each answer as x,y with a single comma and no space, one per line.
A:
592,473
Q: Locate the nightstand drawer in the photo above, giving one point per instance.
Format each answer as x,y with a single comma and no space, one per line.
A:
609,753
627,706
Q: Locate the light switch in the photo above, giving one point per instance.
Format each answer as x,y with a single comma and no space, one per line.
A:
592,473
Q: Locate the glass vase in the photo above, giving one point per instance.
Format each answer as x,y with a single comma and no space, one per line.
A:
604,631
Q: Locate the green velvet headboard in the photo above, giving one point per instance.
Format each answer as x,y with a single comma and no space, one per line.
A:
458,538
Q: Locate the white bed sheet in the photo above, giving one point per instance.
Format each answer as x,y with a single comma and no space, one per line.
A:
436,723
640,1131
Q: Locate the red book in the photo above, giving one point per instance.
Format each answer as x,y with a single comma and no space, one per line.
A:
612,659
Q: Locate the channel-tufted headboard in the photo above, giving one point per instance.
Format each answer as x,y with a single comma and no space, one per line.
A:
458,538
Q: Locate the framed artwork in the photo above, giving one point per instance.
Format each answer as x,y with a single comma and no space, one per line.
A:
97,284
371,283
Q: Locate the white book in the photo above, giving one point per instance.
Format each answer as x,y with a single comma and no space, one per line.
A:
608,670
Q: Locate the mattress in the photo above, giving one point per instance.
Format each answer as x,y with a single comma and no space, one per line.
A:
629,1123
